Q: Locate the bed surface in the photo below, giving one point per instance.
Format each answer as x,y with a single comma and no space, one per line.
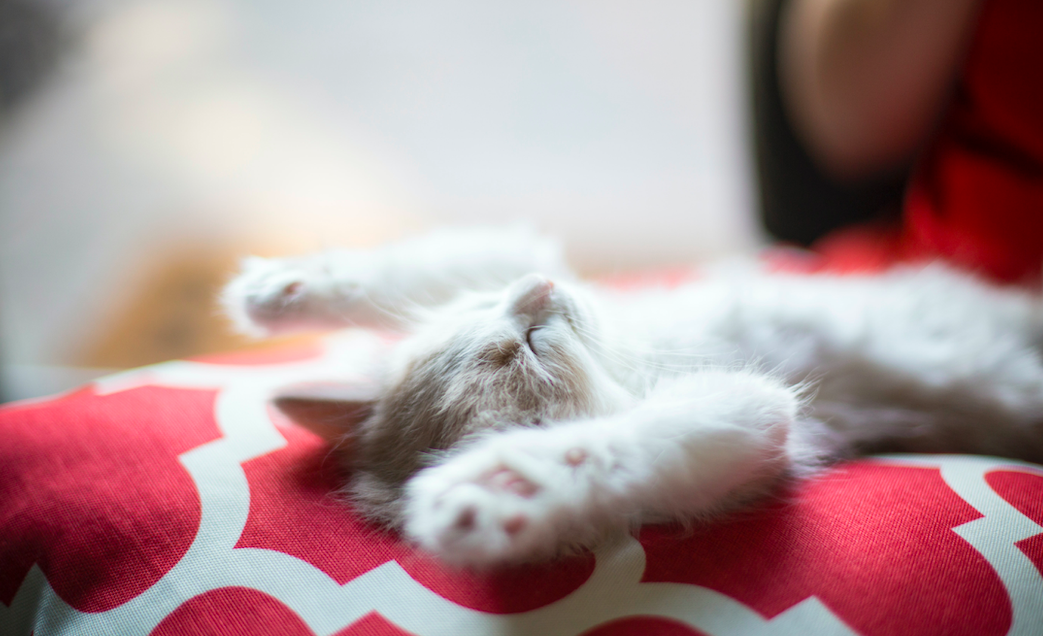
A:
172,500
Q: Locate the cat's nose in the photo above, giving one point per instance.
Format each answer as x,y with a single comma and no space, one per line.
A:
530,295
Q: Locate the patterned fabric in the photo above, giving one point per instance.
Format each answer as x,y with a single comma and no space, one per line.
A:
171,500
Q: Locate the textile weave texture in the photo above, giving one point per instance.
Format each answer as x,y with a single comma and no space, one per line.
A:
172,500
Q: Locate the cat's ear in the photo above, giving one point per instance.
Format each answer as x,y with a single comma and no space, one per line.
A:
330,410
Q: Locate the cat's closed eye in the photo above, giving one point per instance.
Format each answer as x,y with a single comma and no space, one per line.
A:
528,337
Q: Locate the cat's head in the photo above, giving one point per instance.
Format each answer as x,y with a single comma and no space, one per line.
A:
517,357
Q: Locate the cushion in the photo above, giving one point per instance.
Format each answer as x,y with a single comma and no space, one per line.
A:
173,500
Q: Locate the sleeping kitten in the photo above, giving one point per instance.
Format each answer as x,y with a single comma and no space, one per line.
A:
527,413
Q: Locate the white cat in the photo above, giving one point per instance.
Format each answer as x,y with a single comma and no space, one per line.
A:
528,413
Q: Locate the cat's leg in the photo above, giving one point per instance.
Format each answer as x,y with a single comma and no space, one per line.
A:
696,446
380,287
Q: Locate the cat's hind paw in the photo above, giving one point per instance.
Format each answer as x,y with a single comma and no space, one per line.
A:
501,502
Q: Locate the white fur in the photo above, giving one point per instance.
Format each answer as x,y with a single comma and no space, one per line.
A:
380,287
690,400
686,450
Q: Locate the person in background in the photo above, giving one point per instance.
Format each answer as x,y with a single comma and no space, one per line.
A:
953,88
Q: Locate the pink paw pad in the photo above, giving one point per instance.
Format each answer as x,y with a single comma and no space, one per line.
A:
466,520
506,479
515,524
292,289
575,456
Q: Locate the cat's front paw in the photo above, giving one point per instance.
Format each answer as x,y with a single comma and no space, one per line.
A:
502,502
273,294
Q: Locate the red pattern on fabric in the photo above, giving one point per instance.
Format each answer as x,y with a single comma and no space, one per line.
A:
977,197
293,510
94,493
232,611
373,624
506,591
1022,490
872,541
857,538
644,626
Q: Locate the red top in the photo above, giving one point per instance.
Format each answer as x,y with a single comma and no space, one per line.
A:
977,196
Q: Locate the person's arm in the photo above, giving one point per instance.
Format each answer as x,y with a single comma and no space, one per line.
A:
864,81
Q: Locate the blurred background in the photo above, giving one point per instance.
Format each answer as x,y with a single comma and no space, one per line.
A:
146,145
